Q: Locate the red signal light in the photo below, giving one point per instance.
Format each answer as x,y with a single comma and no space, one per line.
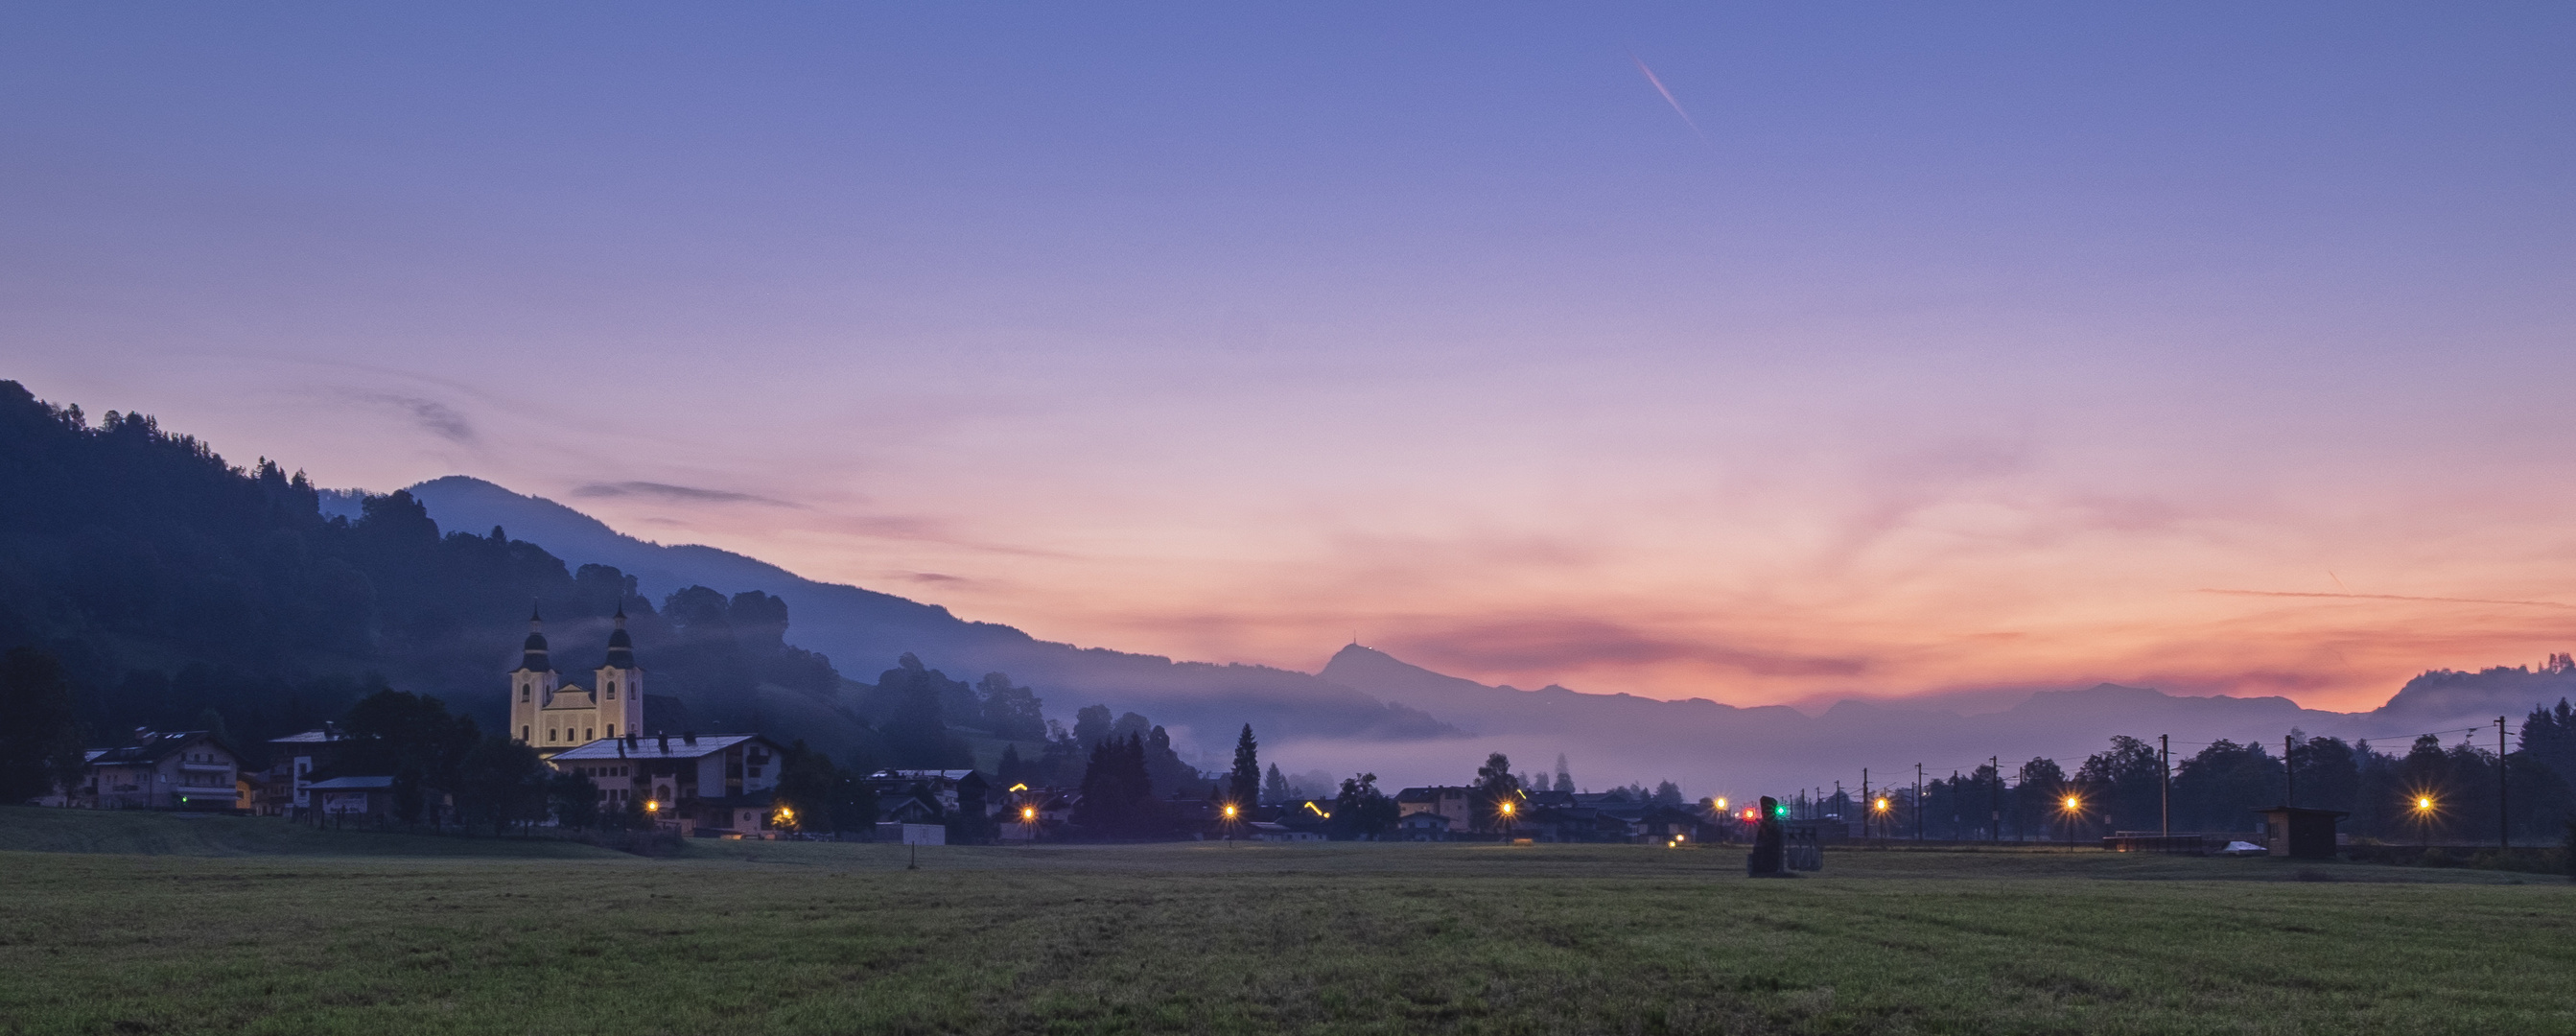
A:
1751,815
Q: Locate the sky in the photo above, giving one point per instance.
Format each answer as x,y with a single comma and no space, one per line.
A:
1763,353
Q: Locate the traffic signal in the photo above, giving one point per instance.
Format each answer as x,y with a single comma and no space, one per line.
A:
1781,810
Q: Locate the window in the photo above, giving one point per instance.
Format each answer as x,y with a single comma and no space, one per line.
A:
589,735
612,730
523,692
524,734
550,733
612,690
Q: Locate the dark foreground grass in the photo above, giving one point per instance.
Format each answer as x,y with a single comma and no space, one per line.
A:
750,937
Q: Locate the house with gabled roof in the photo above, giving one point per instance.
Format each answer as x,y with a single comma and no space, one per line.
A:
190,770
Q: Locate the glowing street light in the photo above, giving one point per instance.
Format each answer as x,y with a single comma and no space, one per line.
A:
1028,814
2073,807
1229,811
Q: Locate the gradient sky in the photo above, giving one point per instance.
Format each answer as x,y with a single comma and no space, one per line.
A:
2218,348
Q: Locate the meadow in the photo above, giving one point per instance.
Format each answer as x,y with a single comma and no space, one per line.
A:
153,924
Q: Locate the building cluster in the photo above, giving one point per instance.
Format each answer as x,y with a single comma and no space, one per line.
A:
725,785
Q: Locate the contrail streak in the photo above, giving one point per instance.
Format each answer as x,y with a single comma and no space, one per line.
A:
2387,597
1668,97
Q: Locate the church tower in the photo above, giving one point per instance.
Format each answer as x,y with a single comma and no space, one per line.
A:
621,684
532,685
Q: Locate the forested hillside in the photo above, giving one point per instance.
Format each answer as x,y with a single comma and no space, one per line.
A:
182,591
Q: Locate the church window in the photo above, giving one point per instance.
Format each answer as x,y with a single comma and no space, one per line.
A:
587,735
612,690
550,733
525,734
523,692
612,730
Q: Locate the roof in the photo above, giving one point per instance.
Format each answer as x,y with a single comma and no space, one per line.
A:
1433,793
325,735
152,747
922,775
654,747
353,784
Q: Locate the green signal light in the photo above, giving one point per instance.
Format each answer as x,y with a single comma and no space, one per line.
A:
1779,811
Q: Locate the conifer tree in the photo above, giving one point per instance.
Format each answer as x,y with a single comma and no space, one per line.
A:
1245,782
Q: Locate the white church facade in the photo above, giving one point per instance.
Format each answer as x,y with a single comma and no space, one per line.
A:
554,716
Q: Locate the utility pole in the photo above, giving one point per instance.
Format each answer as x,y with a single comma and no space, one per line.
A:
1995,799
2504,816
1866,802
1918,803
2164,782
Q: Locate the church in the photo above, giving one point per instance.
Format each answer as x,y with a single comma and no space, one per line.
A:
555,716
712,786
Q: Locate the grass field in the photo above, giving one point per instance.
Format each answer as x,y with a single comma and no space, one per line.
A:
245,926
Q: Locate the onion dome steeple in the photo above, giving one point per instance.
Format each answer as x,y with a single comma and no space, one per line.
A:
533,656
621,648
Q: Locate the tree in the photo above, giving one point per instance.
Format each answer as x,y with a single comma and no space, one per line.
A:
854,801
807,782
1011,712
502,782
1564,776
1274,787
1494,786
1361,811
1243,785
1091,725
40,745
2125,783
1011,770
1668,794
2037,798
973,824
913,702
573,798
1117,796
391,733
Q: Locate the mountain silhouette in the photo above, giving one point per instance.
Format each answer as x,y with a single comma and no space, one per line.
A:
1368,710
864,631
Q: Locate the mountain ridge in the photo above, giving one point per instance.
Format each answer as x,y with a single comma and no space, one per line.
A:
1370,710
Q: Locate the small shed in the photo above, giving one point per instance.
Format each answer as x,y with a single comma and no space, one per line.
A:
2300,832
354,798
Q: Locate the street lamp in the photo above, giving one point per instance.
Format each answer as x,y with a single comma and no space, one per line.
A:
2073,804
1879,808
2424,806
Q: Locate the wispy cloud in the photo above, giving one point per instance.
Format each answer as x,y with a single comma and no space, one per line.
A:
2386,597
1658,84
1551,644
667,491
435,417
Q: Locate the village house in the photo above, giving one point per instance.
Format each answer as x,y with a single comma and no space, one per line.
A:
189,770
707,786
1452,801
